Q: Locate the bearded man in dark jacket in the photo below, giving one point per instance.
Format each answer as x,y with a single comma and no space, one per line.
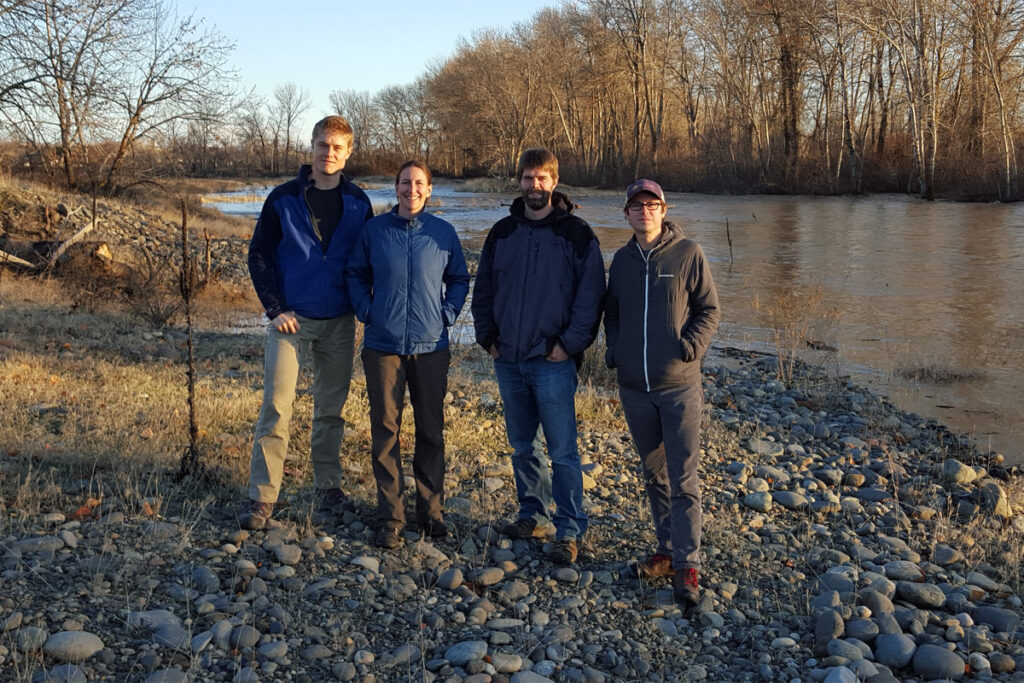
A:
536,308
660,314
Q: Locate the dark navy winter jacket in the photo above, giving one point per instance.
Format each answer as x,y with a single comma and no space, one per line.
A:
539,283
288,264
408,281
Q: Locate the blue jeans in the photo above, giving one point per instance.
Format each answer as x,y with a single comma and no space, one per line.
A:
537,392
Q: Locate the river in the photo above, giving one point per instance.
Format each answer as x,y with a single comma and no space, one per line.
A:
921,301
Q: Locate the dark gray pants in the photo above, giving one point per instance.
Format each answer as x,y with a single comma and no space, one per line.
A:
387,376
666,431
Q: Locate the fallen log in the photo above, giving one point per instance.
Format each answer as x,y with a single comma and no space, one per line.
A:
59,251
11,259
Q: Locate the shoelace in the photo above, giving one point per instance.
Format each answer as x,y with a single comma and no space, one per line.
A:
691,578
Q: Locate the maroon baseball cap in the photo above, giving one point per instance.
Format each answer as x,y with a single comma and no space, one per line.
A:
644,185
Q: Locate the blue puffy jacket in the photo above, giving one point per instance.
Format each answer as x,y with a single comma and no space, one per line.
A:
288,264
408,281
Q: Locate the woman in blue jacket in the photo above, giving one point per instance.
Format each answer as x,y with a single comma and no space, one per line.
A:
408,280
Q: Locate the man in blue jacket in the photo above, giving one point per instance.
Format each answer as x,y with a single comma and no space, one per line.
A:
297,256
536,308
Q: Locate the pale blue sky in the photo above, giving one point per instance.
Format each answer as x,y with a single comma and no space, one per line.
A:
348,44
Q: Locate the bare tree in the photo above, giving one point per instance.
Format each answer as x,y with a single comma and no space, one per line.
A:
360,109
253,129
92,72
290,103
173,71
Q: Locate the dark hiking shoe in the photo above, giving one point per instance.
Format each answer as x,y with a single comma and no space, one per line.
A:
435,528
686,588
388,537
654,567
563,551
332,500
526,528
255,518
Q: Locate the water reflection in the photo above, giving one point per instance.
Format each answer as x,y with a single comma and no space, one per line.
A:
916,285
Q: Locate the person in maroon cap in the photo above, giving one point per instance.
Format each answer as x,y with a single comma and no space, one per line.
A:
660,314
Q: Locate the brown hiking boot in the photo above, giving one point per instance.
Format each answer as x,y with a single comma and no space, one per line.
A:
388,537
654,567
526,528
563,551
255,518
686,588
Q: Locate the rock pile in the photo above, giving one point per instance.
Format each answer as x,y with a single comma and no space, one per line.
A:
843,542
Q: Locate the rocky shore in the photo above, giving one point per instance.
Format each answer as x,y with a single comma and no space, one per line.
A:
843,542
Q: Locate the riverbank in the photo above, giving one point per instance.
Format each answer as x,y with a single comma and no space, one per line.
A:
843,537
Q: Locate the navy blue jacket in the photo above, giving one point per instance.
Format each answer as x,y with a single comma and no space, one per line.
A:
288,265
539,283
408,281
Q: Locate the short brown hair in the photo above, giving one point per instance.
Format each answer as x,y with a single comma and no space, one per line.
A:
537,158
334,124
417,164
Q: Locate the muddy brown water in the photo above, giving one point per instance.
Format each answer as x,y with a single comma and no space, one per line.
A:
921,301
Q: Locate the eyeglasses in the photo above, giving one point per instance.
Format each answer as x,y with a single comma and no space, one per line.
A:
637,207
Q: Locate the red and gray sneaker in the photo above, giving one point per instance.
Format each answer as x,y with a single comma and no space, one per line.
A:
654,567
686,588
255,518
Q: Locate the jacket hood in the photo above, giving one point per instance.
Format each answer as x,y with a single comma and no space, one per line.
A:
562,205
306,172
671,233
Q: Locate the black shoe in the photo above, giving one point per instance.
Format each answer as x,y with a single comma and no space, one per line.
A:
389,537
435,528
332,500
526,527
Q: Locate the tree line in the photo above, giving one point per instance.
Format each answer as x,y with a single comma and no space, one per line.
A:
831,96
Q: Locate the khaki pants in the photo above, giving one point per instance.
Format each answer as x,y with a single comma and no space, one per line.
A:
331,343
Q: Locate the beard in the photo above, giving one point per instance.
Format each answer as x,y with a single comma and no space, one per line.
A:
537,202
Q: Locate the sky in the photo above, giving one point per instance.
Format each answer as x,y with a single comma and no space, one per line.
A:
347,44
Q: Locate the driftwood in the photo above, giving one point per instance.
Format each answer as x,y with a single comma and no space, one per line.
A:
11,259
59,251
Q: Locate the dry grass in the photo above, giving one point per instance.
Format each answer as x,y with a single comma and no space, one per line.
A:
100,394
790,315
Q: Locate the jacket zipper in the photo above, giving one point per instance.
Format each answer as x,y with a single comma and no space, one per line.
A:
647,295
531,245
408,282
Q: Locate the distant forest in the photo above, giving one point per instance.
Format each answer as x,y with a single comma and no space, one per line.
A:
813,96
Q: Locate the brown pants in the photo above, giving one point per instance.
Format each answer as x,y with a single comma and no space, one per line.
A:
387,376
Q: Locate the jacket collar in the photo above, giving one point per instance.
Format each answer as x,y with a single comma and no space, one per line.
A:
562,206
670,233
305,177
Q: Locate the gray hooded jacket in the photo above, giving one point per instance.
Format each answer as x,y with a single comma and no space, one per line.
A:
660,313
